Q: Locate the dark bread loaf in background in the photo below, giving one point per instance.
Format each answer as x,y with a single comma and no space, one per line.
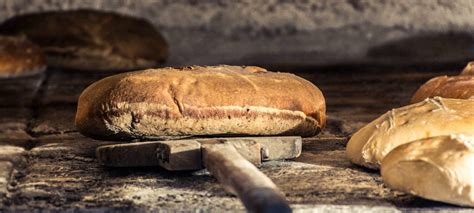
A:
469,69
460,87
91,40
213,100
19,57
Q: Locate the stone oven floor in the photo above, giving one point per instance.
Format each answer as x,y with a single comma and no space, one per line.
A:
55,168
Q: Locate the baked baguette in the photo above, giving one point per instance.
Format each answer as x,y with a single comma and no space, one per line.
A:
213,100
19,57
469,69
461,87
438,168
431,117
91,40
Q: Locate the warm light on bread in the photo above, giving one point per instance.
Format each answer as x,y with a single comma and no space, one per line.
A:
438,168
429,118
461,87
214,100
469,69
91,40
19,57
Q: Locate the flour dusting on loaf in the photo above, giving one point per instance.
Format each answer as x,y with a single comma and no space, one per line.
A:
439,168
431,117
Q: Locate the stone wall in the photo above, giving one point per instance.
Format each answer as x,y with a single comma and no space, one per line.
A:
285,32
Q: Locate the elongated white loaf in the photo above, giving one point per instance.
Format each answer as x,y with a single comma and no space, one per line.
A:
439,168
214,100
431,117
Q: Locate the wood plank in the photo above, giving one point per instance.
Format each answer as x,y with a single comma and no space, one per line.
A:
179,155
145,153
128,155
247,147
275,147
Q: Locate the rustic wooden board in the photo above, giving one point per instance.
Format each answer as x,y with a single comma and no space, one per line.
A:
180,155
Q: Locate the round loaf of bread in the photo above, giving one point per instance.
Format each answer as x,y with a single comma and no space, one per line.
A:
91,40
469,69
213,100
461,87
19,57
438,168
431,117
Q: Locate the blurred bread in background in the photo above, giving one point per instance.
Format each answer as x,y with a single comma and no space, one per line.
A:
19,57
91,40
461,87
469,69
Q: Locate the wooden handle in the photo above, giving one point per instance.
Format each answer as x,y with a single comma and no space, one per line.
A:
238,176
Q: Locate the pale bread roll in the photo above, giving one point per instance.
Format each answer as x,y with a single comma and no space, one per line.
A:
439,168
429,118
214,100
469,69
461,87
19,57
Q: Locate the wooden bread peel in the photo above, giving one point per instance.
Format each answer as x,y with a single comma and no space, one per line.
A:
231,160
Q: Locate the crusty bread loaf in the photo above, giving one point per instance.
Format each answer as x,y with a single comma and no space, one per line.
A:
91,40
19,57
461,87
214,100
438,168
469,69
429,118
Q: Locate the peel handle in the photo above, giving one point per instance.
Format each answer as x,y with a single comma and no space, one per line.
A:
240,177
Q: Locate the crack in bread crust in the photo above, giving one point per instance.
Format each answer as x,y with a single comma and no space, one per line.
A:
145,121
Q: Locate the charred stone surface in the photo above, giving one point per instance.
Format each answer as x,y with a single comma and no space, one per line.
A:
65,87
57,169
19,92
14,125
54,119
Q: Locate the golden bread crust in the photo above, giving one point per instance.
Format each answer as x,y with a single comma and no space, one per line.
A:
460,87
214,100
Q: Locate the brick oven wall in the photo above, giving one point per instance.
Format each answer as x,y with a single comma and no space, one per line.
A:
282,32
